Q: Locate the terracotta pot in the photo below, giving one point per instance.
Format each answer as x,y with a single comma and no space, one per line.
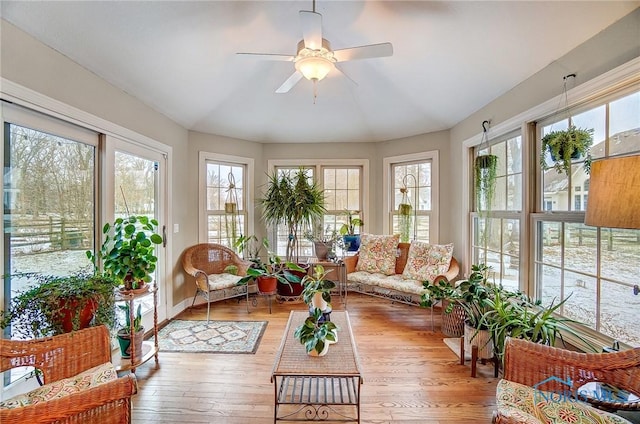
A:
86,314
267,284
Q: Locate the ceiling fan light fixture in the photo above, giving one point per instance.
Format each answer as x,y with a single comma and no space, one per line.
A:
314,68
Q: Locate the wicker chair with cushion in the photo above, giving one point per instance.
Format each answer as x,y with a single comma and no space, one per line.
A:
544,384
80,383
207,262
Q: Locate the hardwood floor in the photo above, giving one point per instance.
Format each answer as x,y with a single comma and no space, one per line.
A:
410,375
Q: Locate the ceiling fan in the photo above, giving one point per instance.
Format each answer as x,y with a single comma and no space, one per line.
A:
315,58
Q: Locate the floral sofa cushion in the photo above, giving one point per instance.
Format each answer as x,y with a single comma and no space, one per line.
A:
427,261
394,282
378,253
58,389
522,404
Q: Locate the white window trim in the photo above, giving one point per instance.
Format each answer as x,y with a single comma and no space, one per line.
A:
203,157
387,162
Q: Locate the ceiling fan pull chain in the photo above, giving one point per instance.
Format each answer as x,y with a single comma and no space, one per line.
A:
315,90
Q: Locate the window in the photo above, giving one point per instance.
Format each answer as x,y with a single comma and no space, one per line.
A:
49,201
344,183
417,176
595,268
496,231
342,189
226,214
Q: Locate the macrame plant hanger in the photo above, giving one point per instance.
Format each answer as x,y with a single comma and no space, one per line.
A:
405,209
231,217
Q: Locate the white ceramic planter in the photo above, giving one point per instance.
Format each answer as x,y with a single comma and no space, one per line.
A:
319,302
480,338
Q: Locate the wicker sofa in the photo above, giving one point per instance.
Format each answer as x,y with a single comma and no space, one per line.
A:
393,285
81,385
544,384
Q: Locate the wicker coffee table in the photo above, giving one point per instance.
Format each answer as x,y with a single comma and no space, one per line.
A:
317,388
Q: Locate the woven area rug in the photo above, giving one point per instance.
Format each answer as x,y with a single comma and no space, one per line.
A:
215,337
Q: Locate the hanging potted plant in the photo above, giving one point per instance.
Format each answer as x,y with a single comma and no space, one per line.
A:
566,146
484,174
485,171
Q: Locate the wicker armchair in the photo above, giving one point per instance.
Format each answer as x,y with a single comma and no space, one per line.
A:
550,369
207,262
65,356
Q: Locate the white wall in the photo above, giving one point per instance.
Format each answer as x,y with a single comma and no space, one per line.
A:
609,49
33,65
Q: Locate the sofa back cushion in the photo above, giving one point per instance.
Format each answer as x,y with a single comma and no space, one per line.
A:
427,261
378,253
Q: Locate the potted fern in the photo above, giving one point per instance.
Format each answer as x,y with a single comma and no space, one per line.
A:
565,146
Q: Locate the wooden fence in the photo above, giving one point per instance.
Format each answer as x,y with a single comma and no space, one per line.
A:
49,233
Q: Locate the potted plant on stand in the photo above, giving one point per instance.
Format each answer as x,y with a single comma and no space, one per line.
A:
316,335
269,274
453,314
348,231
324,245
131,330
128,251
54,305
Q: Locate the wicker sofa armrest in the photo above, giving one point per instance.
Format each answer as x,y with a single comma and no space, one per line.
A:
350,263
530,363
75,352
64,356
107,403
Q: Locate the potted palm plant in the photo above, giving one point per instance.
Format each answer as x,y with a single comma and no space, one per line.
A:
128,251
295,201
53,305
316,335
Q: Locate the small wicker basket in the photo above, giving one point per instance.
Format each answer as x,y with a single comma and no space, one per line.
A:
453,322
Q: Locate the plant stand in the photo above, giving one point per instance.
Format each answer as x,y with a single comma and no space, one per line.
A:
149,348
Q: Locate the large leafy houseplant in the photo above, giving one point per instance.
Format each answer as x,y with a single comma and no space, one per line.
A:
53,305
294,200
565,146
128,250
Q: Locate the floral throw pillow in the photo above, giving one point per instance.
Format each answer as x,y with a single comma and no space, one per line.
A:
378,253
427,261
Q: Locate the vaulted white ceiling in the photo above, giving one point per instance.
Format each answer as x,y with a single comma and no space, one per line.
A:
450,59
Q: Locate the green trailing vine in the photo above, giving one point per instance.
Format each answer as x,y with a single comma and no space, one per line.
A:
485,170
565,146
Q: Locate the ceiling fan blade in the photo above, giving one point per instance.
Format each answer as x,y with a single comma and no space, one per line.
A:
267,56
345,74
364,52
289,83
311,29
